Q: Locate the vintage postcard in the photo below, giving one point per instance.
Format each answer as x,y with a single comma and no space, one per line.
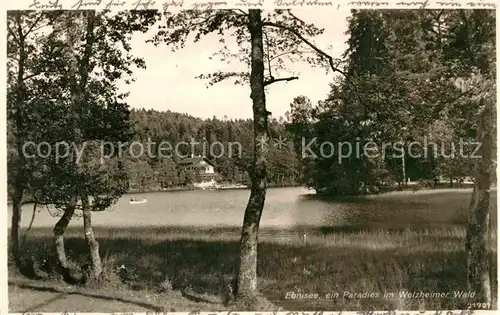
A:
260,156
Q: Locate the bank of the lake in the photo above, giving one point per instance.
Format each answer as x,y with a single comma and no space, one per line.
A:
391,242
410,187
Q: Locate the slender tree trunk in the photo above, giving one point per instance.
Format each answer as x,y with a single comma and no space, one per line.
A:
23,241
247,271
78,98
16,226
95,258
478,233
59,229
20,178
403,164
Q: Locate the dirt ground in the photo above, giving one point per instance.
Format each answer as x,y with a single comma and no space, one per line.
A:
27,295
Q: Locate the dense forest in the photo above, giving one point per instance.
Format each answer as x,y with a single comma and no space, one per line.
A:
159,170
406,88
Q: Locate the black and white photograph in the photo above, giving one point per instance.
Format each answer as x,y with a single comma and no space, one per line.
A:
217,158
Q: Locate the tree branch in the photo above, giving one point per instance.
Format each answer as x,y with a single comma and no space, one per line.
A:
292,52
318,51
295,17
12,33
273,80
205,20
234,11
308,43
34,24
32,75
268,56
29,76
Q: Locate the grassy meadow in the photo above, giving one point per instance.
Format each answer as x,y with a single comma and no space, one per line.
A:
179,268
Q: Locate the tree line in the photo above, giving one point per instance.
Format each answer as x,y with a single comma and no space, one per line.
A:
416,80
159,170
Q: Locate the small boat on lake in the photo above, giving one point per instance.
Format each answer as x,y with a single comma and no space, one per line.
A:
230,186
137,201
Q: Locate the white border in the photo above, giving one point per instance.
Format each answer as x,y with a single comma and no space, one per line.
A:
4,296
380,312
262,4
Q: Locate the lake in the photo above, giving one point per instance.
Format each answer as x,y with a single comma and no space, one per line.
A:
285,208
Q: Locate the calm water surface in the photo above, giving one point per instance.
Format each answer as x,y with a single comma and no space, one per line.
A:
284,208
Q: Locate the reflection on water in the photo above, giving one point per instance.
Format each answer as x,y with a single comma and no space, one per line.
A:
285,209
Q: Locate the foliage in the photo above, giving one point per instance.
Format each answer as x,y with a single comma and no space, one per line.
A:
404,65
74,69
159,169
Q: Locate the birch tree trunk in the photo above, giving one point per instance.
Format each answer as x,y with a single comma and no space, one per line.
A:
78,99
478,232
95,258
247,269
59,229
19,184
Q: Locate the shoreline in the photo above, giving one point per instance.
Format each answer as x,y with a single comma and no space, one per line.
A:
314,194
207,189
407,191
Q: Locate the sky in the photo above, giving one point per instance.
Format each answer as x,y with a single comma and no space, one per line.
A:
169,81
